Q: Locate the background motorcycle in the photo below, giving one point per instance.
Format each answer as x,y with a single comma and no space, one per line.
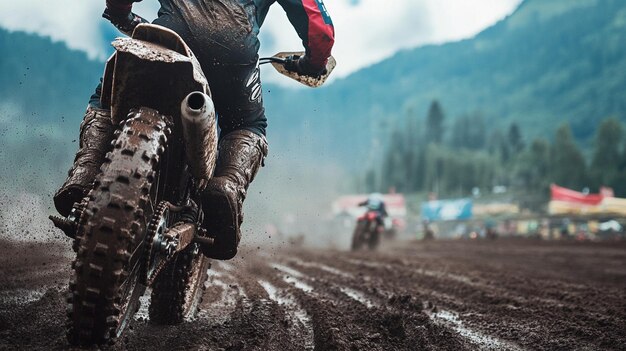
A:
368,230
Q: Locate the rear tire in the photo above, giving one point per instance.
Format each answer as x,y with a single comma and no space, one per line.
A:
105,289
358,234
374,237
178,289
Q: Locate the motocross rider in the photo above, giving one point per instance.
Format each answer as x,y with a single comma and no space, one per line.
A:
223,34
376,203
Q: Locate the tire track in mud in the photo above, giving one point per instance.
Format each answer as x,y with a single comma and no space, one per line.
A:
230,318
445,318
504,314
403,299
345,319
449,291
442,317
301,323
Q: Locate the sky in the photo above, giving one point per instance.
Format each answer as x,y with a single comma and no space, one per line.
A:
367,31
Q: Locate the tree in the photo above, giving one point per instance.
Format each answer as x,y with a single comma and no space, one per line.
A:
619,187
568,164
413,140
434,123
515,139
370,181
497,145
606,157
394,169
469,132
532,167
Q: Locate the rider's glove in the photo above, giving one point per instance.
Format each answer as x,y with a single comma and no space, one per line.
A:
120,15
302,66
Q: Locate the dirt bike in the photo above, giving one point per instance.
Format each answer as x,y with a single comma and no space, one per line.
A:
368,231
139,226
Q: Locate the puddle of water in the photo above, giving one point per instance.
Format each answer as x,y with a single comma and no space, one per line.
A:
21,296
143,313
229,295
214,273
455,277
358,296
287,270
293,277
295,311
368,263
225,266
298,284
484,342
272,292
227,299
323,267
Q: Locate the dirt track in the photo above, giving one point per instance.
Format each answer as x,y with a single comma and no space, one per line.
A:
439,295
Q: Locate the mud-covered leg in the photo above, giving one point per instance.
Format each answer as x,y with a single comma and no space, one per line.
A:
241,154
96,133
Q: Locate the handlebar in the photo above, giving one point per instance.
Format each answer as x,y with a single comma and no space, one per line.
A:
273,59
284,63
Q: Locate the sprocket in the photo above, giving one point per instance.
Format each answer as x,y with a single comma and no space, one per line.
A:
156,257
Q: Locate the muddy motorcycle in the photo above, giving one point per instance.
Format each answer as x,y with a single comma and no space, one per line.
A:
139,226
368,231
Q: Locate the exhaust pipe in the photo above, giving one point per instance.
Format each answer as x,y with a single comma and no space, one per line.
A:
200,133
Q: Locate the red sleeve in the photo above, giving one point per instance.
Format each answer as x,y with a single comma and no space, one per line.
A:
314,26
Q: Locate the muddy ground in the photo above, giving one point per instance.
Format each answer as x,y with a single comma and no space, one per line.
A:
502,295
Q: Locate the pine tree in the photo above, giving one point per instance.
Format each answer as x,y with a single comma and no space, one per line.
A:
568,164
606,157
434,123
370,181
540,161
413,140
469,132
394,169
515,139
533,165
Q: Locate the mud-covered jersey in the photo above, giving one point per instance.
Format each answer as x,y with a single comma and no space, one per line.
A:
309,18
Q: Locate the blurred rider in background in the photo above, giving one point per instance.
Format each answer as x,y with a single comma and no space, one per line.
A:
375,202
223,34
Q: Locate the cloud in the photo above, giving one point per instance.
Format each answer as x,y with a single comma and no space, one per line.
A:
367,30
76,22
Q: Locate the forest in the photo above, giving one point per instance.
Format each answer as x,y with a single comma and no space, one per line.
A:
459,157
547,64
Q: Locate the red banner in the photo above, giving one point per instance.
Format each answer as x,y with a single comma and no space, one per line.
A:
568,195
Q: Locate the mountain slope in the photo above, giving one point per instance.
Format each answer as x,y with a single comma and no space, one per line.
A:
550,61
45,79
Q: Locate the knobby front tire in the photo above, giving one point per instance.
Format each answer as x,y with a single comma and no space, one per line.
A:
106,285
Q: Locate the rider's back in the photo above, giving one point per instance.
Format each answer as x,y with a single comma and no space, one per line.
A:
218,31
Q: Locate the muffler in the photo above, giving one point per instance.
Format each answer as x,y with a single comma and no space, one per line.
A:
200,133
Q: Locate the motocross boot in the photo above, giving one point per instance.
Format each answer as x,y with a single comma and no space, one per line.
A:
96,133
241,154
